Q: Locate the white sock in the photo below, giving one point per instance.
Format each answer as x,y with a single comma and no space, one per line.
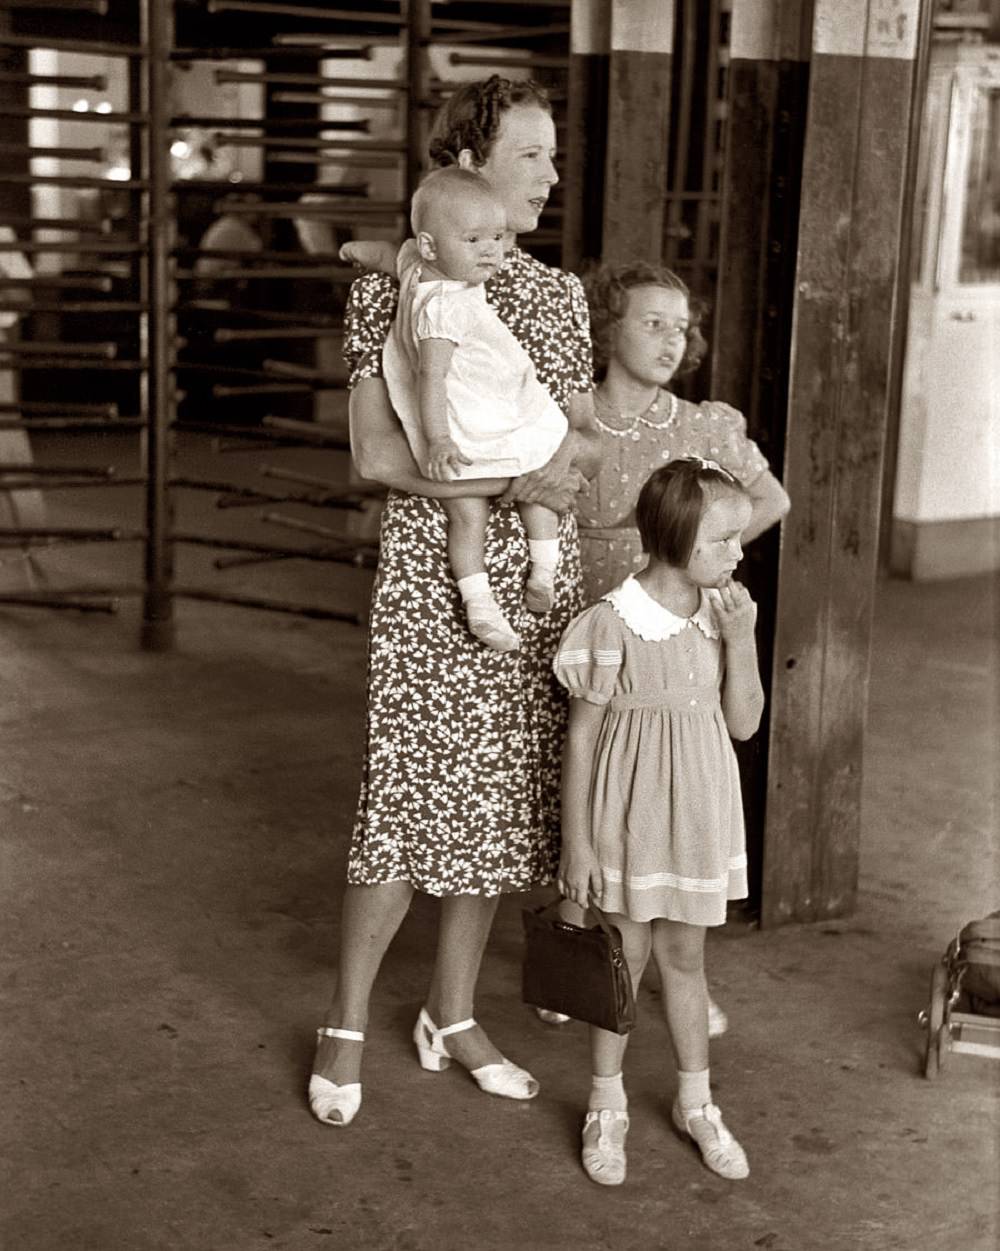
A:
607,1092
544,553
475,586
694,1089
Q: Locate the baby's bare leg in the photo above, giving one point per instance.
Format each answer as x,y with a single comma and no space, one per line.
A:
542,527
467,518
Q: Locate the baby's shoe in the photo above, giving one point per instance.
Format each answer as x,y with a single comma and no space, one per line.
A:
489,625
603,1154
540,591
719,1149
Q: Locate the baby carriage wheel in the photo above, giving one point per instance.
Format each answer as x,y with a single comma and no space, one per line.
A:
937,1031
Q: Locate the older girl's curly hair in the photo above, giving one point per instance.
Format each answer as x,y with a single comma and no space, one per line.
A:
470,117
607,288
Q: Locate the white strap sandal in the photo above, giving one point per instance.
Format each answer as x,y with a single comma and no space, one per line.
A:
504,1078
328,1102
603,1155
719,1149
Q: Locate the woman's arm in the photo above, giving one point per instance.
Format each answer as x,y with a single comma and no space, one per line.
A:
557,484
382,454
770,504
378,254
579,872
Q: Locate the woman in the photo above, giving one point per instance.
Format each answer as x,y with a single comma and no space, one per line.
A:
460,789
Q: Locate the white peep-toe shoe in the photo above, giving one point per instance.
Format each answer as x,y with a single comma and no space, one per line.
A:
505,1078
328,1102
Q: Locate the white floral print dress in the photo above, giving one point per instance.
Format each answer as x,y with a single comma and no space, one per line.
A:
665,805
460,785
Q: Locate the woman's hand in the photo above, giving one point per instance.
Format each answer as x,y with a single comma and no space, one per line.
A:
555,486
735,613
579,876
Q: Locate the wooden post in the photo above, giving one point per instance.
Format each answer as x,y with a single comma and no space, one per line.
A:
767,89
586,130
642,33
850,222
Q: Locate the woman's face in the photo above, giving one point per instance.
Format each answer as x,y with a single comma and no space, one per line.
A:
519,167
650,339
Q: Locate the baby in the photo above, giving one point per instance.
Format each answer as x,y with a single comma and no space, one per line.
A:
464,389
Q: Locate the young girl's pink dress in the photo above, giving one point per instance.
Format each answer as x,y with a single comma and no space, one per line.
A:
666,811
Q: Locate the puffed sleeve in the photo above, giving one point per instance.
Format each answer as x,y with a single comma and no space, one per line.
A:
443,313
589,657
730,444
371,306
581,351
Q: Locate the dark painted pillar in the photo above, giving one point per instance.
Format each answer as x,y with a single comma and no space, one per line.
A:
850,228
642,33
767,88
586,131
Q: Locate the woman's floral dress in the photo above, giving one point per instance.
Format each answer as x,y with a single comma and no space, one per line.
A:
610,545
460,788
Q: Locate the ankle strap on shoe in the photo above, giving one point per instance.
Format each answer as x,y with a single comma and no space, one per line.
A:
352,1035
457,1028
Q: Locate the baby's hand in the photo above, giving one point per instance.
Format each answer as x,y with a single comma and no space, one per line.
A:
444,460
736,613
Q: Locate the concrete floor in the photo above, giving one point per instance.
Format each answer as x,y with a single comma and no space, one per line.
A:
173,839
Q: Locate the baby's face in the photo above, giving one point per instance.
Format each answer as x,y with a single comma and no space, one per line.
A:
468,239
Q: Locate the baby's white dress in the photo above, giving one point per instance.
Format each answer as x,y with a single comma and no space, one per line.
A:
665,804
499,414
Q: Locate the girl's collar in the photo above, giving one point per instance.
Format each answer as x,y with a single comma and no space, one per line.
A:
651,621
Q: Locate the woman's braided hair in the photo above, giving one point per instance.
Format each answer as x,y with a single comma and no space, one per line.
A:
607,288
470,117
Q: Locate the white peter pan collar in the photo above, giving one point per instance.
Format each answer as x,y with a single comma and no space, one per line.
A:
651,621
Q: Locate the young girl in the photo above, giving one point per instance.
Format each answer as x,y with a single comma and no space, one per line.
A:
646,330
464,389
663,672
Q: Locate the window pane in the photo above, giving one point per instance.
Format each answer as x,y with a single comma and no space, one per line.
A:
981,229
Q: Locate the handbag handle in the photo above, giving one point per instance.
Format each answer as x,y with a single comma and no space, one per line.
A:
591,907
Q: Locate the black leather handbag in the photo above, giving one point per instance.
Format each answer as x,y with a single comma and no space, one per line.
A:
575,970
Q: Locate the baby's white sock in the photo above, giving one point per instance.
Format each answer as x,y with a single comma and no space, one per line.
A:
544,553
475,586
694,1089
607,1092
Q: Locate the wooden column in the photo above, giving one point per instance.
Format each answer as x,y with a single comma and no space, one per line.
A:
767,89
850,223
642,33
586,131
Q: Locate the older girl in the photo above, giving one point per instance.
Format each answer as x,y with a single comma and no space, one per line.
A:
646,331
